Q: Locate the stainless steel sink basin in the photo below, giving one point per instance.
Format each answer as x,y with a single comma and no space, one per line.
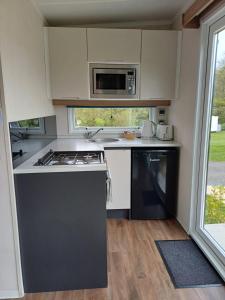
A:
104,140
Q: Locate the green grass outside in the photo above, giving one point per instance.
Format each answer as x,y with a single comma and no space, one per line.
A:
215,210
215,204
217,146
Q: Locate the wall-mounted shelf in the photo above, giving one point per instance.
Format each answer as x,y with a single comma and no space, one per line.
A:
111,103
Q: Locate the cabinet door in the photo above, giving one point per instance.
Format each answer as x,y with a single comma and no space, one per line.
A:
23,61
119,164
159,64
66,216
114,45
68,63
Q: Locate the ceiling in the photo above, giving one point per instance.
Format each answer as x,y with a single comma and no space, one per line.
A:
81,12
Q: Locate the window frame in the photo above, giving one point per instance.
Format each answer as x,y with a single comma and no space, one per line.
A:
81,130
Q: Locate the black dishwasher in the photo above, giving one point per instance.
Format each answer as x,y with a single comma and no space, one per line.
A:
154,183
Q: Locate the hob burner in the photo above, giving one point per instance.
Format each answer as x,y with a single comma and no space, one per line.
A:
57,158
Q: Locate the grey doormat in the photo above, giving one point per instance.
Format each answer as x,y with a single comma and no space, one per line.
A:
187,265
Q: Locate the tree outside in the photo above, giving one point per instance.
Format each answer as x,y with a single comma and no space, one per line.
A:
110,117
215,206
32,123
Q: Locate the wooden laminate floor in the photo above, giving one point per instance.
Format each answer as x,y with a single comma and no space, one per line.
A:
135,268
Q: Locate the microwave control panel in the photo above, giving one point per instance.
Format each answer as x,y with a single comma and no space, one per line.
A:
131,80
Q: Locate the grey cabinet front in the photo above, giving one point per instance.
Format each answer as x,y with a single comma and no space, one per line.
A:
62,229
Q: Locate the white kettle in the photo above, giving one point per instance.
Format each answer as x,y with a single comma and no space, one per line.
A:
148,129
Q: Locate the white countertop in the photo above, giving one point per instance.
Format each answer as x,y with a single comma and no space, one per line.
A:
124,143
84,145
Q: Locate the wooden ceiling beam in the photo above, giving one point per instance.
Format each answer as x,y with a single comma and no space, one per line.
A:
200,8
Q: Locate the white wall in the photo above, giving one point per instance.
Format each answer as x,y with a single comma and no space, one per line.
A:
23,60
10,269
182,116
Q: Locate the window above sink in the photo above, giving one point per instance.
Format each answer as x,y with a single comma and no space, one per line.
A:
110,119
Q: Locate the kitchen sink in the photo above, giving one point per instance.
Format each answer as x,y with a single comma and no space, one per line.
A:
104,140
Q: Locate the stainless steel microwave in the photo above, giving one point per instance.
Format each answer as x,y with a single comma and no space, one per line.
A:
113,81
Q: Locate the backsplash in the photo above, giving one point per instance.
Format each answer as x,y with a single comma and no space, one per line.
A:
30,136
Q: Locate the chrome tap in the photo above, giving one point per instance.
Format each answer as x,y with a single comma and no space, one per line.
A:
89,134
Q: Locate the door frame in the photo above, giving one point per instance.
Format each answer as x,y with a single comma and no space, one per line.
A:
202,124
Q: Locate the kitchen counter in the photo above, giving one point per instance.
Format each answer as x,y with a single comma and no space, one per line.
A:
124,143
84,145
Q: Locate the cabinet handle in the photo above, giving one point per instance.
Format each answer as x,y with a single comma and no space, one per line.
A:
109,187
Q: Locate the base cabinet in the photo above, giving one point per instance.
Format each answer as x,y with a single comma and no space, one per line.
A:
119,165
62,230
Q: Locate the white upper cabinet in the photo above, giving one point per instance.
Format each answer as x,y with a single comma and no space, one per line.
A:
68,63
71,49
23,61
114,45
159,64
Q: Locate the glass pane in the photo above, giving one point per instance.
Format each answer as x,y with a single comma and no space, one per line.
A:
110,117
111,81
32,123
214,217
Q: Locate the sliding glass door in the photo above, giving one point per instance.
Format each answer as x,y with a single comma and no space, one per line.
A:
210,221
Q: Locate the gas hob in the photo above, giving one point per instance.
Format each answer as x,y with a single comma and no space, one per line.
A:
57,158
